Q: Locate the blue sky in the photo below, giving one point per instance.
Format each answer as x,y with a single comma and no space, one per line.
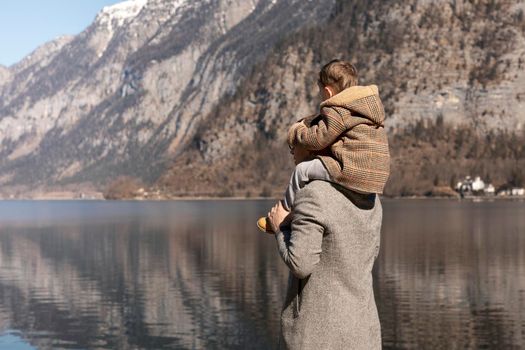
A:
27,24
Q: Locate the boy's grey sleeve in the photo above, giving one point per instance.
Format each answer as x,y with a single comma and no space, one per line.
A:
300,247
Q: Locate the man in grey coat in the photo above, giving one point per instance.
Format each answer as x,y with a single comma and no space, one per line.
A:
330,249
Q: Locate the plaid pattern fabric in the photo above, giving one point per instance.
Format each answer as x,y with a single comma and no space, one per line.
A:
350,126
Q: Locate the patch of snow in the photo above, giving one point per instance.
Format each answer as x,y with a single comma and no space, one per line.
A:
120,13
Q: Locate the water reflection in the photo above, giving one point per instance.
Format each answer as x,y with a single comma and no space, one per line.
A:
452,275
199,275
162,275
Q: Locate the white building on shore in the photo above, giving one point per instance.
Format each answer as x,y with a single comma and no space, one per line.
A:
478,187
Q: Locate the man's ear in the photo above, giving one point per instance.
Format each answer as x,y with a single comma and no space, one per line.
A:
328,91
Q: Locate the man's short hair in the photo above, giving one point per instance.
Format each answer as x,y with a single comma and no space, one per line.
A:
338,74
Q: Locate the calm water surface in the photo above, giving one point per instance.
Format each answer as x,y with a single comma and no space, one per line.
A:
199,275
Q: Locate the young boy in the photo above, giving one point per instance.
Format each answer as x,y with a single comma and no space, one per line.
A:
347,137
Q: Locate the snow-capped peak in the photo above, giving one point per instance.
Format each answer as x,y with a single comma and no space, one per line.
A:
120,12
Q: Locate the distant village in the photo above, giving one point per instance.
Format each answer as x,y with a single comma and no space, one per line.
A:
477,187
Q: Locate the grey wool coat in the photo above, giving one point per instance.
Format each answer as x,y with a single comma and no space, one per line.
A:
330,251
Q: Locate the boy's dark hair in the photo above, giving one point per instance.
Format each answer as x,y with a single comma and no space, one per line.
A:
338,74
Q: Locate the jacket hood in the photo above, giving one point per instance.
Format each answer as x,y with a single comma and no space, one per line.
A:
361,100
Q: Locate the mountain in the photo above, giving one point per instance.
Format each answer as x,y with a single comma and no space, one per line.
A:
196,97
451,76
5,75
126,95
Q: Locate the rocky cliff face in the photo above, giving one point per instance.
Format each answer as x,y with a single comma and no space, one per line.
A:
212,86
462,60
127,94
5,75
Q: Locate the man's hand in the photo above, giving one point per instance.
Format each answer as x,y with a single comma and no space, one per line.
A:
277,216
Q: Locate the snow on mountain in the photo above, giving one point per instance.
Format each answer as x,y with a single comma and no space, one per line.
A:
116,15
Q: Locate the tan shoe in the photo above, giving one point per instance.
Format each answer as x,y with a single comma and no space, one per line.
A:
264,225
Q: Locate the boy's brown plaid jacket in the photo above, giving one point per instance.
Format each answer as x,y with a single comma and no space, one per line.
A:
351,126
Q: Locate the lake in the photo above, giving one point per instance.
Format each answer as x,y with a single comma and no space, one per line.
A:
199,275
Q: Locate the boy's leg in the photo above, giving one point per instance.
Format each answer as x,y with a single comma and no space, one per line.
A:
304,172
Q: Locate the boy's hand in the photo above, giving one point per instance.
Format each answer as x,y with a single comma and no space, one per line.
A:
277,216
